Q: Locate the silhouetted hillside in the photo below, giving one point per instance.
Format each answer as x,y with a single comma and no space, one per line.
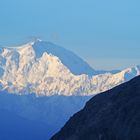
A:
112,115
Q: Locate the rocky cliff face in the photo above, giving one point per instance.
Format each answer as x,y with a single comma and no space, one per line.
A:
112,115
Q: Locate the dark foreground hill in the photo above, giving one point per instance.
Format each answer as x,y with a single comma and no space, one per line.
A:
112,115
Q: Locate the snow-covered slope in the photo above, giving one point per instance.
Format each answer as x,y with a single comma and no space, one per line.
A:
45,69
74,63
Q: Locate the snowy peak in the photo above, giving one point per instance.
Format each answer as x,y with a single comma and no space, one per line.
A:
129,73
46,69
74,63
23,72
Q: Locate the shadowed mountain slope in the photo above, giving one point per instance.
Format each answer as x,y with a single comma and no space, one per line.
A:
112,115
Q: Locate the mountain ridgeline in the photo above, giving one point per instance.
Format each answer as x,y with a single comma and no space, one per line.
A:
112,115
46,69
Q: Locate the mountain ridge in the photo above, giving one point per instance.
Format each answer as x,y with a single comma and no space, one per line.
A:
111,115
25,70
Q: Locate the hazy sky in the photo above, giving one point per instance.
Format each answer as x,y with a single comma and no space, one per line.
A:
106,33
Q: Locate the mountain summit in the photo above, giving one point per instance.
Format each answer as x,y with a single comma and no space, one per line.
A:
46,69
112,115
74,63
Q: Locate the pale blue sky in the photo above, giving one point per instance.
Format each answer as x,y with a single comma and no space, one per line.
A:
106,33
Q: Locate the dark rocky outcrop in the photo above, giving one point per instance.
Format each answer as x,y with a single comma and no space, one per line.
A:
112,115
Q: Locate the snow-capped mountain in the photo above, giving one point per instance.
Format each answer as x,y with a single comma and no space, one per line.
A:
74,63
46,69
43,69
